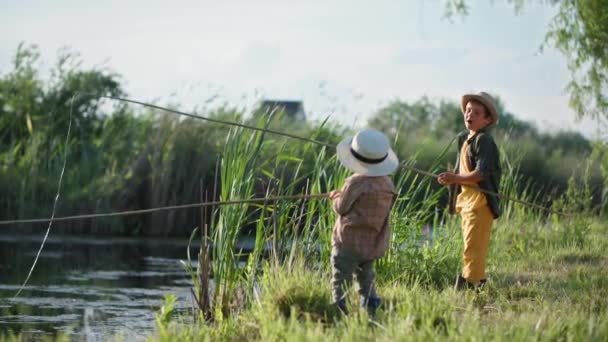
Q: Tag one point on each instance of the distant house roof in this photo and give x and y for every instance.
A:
(292, 109)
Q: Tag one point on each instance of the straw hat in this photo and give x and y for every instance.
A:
(368, 153)
(484, 98)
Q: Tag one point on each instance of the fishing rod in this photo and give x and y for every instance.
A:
(254, 200)
(293, 136)
(492, 193)
(168, 208)
(204, 118)
(234, 202)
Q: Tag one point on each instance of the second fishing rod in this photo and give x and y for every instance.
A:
(306, 139)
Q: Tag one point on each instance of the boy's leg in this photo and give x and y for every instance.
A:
(343, 265)
(365, 278)
(476, 227)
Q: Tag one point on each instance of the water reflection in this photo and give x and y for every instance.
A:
(88, 287)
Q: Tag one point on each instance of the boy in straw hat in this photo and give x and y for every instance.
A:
(361, 232)
(477, 166)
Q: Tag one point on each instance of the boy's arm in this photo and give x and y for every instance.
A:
(447, 178)
(487, 155)
(344, 201)
(472, 177)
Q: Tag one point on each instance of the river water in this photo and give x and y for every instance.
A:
(93, 289)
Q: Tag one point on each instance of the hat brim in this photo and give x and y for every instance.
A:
(384, 168)
(489, 104)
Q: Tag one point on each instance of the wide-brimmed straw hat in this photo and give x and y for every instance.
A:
(485, 99)
(368, 152)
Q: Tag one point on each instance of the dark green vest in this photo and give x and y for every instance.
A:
(483, 156)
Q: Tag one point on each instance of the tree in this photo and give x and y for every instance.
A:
(580, 31)
(411, 117)
(31, 105)
(20, 93)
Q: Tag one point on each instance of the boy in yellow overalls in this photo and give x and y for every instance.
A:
(478, 166)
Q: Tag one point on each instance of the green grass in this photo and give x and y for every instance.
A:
(543, 286)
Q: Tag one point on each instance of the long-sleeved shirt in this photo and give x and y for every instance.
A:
(468, 199)
(482, 155)
(363, 208)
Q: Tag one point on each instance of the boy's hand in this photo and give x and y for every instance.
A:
(334, 194)
(447, 178)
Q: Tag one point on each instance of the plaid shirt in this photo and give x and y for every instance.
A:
(364, 210)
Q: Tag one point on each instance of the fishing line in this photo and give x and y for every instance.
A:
(48, 230)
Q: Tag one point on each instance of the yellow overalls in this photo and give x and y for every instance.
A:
(477, 222)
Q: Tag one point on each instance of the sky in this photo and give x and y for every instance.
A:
(343, 59)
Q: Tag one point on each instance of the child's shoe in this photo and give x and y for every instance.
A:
(371, 304)
(462, 284)
(480, 286)
(341, 307)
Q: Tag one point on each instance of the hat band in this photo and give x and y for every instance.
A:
(367, 160)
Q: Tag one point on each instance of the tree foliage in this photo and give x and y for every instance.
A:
(580, 31)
